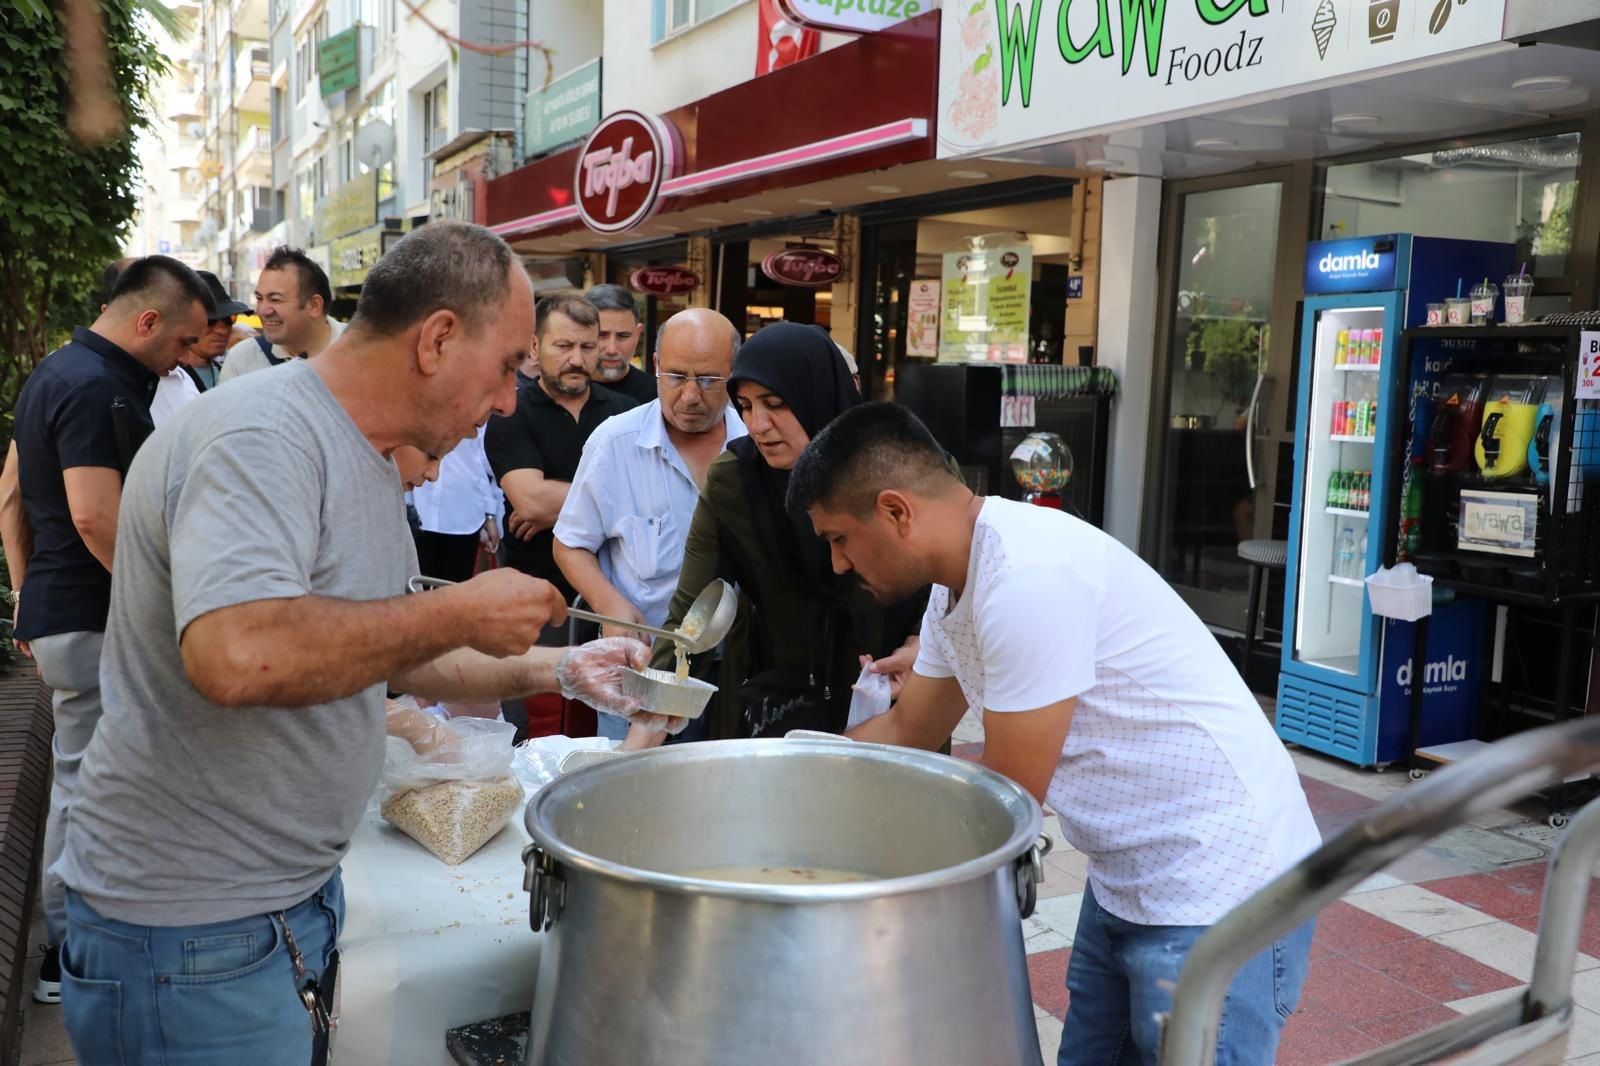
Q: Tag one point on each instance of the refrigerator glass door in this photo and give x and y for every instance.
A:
(1337, 543)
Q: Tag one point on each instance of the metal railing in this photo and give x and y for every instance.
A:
(1529, 1030)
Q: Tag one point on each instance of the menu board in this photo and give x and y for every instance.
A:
(985, 300)
(922, 320)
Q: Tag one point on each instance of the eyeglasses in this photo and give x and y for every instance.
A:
(229, 319)
(704, 382)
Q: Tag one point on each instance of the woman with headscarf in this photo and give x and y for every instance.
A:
(796, 647)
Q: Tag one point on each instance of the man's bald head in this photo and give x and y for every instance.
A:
(694, 356)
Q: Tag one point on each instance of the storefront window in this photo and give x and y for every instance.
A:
(1521, 192)
(985, 285)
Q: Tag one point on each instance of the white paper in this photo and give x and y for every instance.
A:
(869, 697)
(428, 947)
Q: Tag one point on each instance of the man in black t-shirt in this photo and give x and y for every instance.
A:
(534, 452)
(620, 331)
(79, 419)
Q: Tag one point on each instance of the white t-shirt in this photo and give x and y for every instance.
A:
(175, 391)
(1171, 781)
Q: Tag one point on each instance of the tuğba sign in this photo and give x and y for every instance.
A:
(621, 168)
(664, 281)
(807, 268)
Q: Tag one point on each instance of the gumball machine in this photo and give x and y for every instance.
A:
(1042, 465)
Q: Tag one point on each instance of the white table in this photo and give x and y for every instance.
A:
(427, 947)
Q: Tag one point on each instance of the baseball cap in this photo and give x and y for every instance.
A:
(227, 306)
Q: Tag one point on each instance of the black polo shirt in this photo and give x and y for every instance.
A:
(636, 385)
(87, 404)
(542, 436)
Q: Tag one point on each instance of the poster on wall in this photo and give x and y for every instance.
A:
(922, 320)
(1006, 65)
(985, 303)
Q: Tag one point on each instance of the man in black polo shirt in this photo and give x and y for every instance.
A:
(79, 419)
(620, 331)
(534, 452)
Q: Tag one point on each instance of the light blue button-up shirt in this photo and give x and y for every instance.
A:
(631, 502)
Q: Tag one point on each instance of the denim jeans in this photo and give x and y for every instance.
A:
(1121, 977)
(70, 664)
(193, 995)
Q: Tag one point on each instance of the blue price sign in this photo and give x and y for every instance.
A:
(1075, 287)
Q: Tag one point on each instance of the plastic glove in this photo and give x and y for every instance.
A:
(592, 673)
(426, 734)
(658, 723)
(869, 696)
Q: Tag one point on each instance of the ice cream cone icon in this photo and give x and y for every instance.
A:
(1322, 27)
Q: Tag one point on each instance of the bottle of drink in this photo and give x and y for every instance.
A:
(1372, 419)
(1411, 514)
(1333, 485)
(1349, 419)
(1344, 556)
(1341, 496)
(1377, 346)
(1363, 412)
(1366, 491)
(1361, 556)
(1341, 347)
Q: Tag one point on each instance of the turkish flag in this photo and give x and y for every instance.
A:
(782, 43)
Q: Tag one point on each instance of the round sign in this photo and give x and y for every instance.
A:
(621, 168)
(664, 281)
(810, 268)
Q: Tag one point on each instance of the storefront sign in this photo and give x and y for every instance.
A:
(806, 268)
(1007, 65)
(853, 16)
(1075, 287)
(452, 197)
(1504, 523)
(922, 320)
(565, 110)
(352, 206)
(986, 292)
(339, 61)
(664, 281)
(621, 168)
(354, 255)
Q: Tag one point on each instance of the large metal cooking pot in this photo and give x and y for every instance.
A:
(641, 964)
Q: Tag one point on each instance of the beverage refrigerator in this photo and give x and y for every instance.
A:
(1344, 684)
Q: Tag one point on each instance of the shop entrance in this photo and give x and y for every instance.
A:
(1225, 351)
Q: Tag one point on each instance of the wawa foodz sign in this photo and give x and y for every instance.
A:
(1024, 71)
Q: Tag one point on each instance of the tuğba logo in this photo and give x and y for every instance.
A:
(621, 168)
(1339, 264)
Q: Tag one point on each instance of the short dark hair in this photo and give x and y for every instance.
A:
(162, 283)
(613, 298)
(577, 308)
(443, 266)
(867, 449)
(313, 280)
(108, 278)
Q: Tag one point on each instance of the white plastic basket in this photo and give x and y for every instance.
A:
(1400, 593)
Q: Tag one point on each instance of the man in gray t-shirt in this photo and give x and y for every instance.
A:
(257, 614)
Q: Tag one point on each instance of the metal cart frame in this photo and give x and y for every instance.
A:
(1530, 1030)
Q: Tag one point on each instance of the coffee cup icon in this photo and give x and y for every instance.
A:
(1382, 18)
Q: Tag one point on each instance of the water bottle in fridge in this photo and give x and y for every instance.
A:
(1344, 556)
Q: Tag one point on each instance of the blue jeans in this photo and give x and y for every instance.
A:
(194, 995)
(1121, 977)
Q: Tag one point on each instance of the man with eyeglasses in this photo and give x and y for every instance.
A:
(620, 537)
(534, 451)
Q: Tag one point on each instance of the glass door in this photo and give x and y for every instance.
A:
(1216, 471)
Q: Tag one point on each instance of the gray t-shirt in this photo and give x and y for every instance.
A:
(188, 812)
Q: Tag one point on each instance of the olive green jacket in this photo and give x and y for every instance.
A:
(773, 629)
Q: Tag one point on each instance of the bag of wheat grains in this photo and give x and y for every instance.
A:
(455, 796)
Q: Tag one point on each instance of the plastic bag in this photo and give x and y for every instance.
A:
(870, 696)
(454, 791)
(540, 760)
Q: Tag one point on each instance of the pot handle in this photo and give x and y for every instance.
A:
(547, 892)
(1030, 874)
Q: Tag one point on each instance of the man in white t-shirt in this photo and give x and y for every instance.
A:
(1101, 693)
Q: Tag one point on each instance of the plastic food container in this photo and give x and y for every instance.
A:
(1400, 593)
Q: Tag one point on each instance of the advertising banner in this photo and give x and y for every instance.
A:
(1018, 72)
(985, 298)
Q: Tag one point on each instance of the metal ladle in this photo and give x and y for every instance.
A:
(704, 625)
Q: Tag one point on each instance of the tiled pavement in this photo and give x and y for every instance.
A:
(1443, 931)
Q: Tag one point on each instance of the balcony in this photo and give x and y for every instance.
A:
(251, 72)
(252, 156)
(182, 107)
(249, 17)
